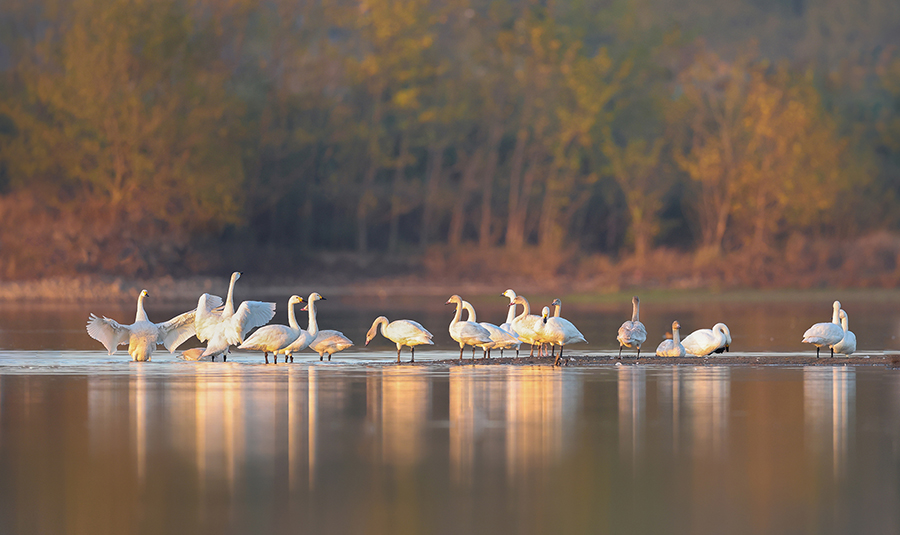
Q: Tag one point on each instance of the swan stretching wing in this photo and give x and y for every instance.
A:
(222, 328)
(108, 332)
(275, 338)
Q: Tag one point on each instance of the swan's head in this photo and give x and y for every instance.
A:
(556, 302)
(726, 331)
(635, 300)
(518, 300)
(545, 313)
(675, 326)
(235, 276)
(373, 330)
(836, 305)
(843, 314)
(510, 294)
(315, 297)
(145, 293)
(295, 299)
(454, 299)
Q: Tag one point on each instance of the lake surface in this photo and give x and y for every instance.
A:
(91, 443)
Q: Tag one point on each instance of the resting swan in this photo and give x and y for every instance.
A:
(632, 333)
(826, 334)
(466, 333)
(847, 345)
(407, 333)
(227, 327)
(558, 331)
(327, 341)
(671, 347)
(142, 336)
(526, 325)
(510, 316)
(312, 328)
(703, 342)
(499, 337)
(275, 338)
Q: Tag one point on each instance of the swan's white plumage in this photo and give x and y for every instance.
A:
(671, 347)
(330, 341)
(312, 328)
(847, 345)
(703, 342)
(632, 333)
(143, 335)
(466, 332)
(500, 338)
(221, 328)
(826, 334)
(558, 331)
(407, 333)
(275, 338)
(526, 325)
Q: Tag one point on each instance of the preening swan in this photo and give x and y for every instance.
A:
(407, 333)
(143, 335)
(327, 341)
(703, 342)
(466, 332)
(227, 327)
(275, 338)
(499, 338)
(559, 331)
(847, 345)
(632, 333)
(672, 347)
(527, 325)
(826, 334)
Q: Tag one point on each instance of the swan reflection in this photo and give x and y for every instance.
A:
(829, 408)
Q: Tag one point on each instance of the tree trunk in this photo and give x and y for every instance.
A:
(397, 197)
(454, 236)
(432, 185)
(366, 195)
(514, 232)
(487, 185)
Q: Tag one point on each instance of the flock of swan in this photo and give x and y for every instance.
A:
(221, 326)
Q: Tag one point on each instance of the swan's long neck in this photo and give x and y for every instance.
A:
(292, 317)
(313, 327)
(229, 301)
(526, 308)
(836, 314)
(458, 313)
(381, 322)
(511, 314)
(471, 310)
(556, 312)
(676, 336)
(845, 323)
(141, 314)
(635, 312)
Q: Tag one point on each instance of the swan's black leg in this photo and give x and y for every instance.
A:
(398, 355)
(460, 353)
(412, 350)
(266, 356)
(620, 350)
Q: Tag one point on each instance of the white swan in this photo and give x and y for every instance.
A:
(275, 338)
(227, 327)
(847, 345)
(526, 325)
(559, 331)
(499, 337)
(632, 333)
(671, 347)
(826, 334)
(312, 329)
(510, 315)
(703, 342)
(466, 332)
(407, 333)
(327, 341)
(143, 335)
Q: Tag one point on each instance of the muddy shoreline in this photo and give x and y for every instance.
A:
(890, 360)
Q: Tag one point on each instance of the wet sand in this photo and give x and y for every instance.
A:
(763, 359)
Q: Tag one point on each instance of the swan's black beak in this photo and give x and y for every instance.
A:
(545, 321)
(322, 299)
(727, 348)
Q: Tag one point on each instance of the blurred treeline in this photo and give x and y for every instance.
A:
(144, 137)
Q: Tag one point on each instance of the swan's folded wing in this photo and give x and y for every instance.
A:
(207, 316)
(108, 332)
(252, 314)
(174, 332)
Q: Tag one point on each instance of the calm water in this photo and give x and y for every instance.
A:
(91, 443)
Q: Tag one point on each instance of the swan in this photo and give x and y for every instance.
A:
(826, 334)
(407, 333)
(275, 338)
(327, 341)
(632, 333)
(499, 337)
(558, 331)
(510, 315)
(671, 347)
(526, 325)
(227, 327)
(143, 335)
(466, 332)
(312, 329)
(703, 342)
(847, 345)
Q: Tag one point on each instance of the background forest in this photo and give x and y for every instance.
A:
(747, 142)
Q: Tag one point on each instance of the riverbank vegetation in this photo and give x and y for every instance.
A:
(618, 143)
